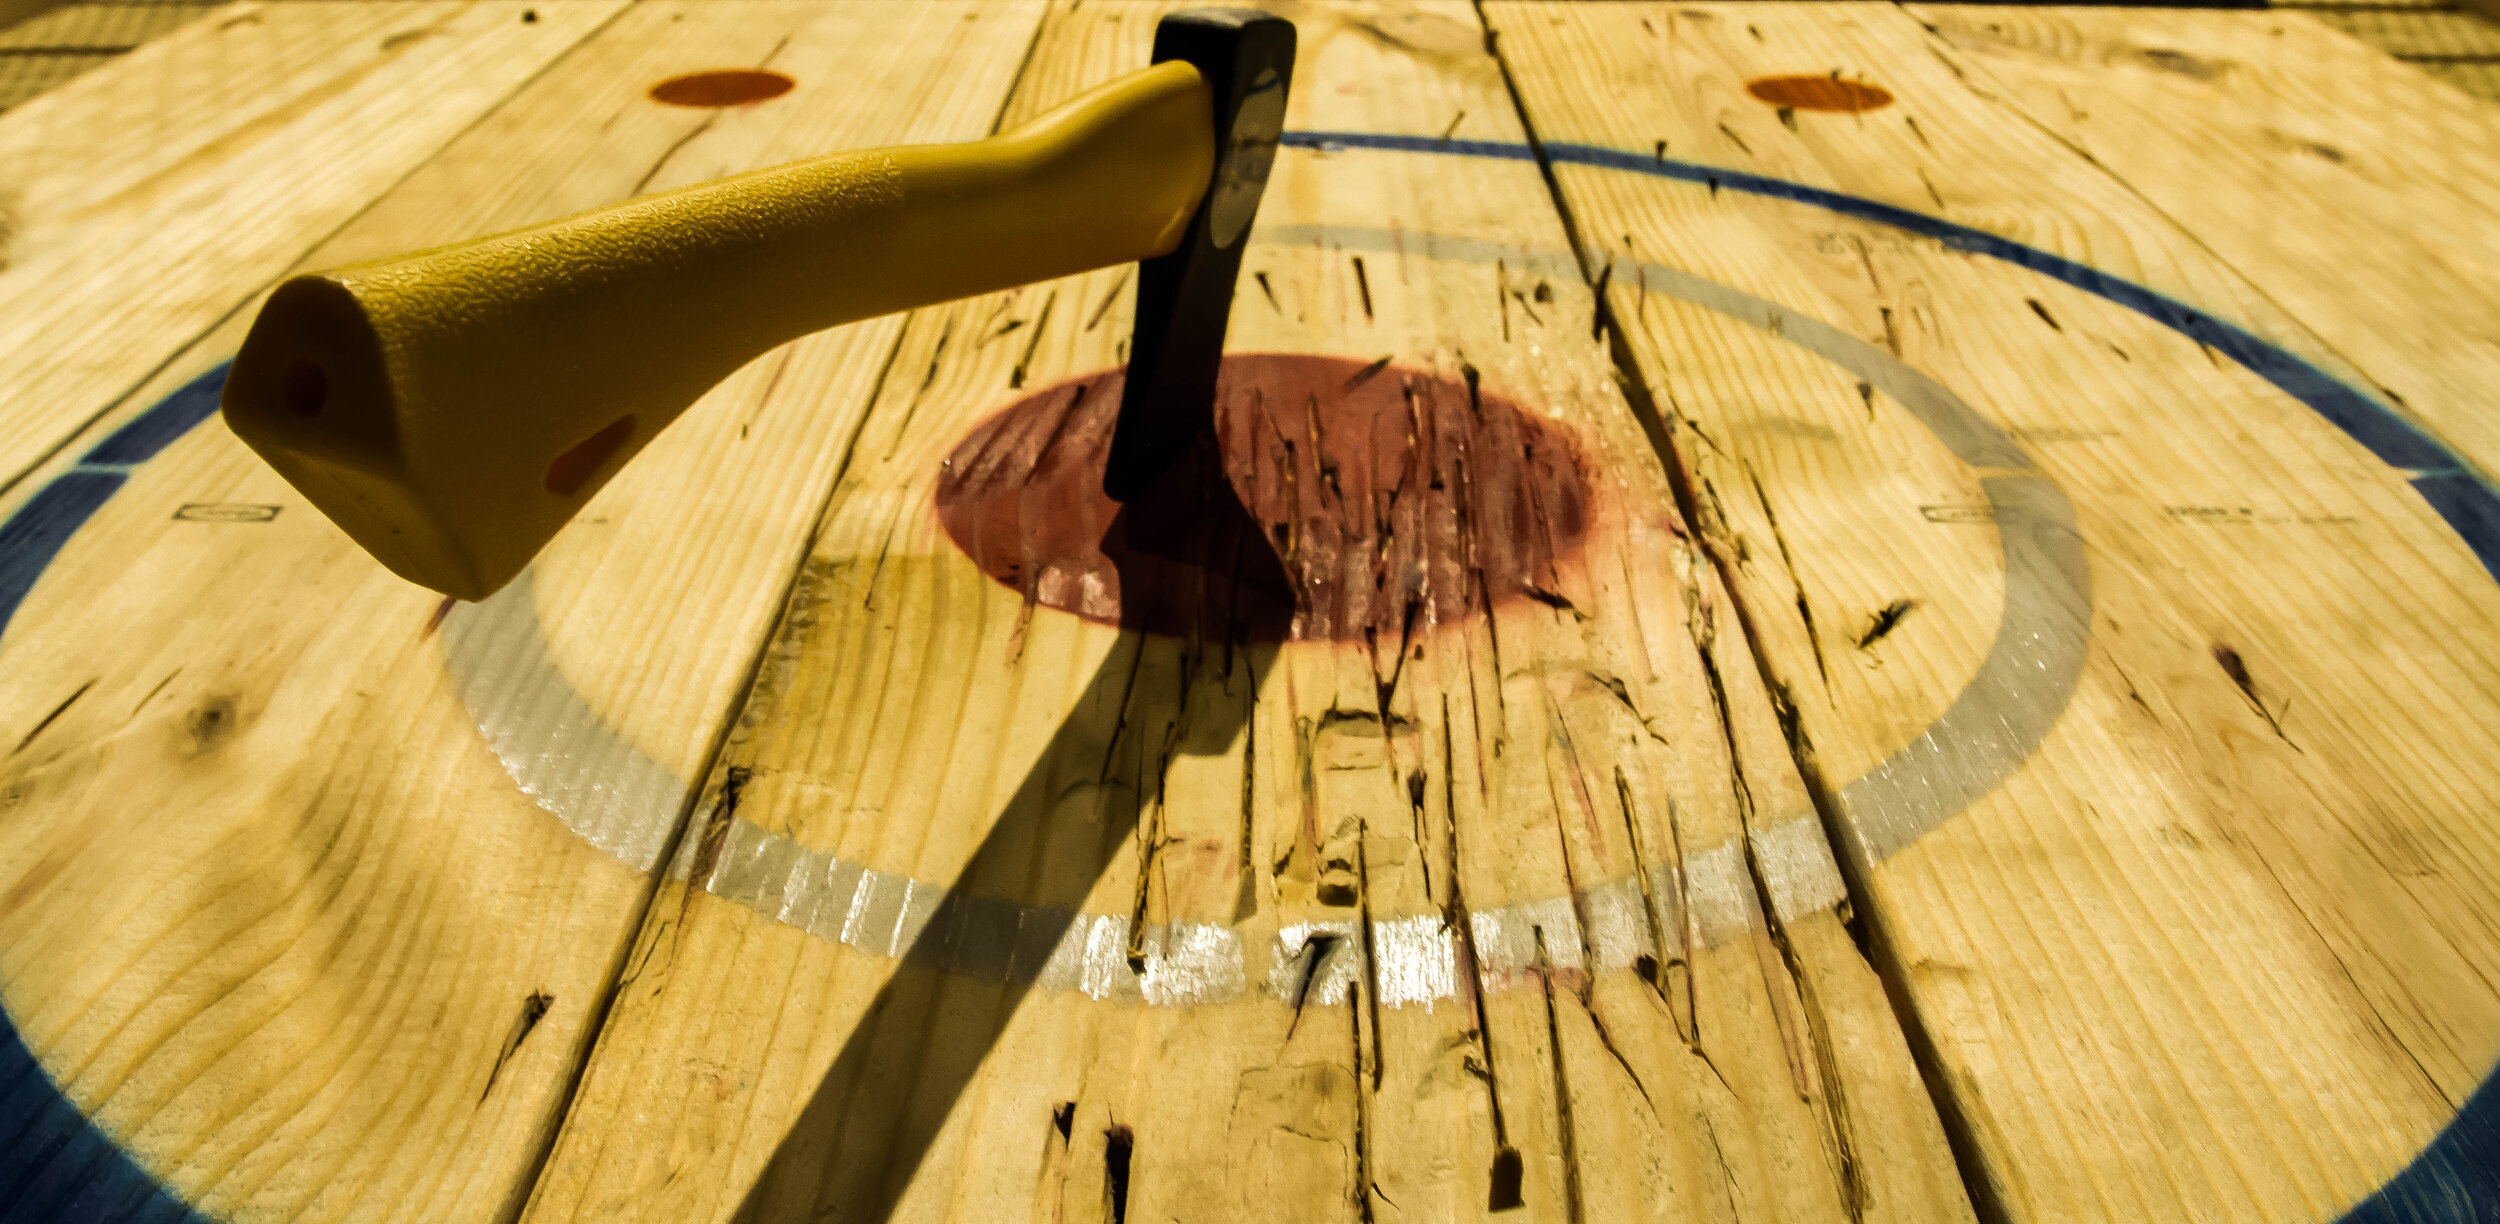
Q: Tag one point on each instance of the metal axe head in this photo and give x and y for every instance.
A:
(1184, 299)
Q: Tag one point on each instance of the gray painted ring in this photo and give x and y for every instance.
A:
(560, 752)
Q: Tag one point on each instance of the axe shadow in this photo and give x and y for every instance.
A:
(1181, 682)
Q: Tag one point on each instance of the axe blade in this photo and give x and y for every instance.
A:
(1185, 299)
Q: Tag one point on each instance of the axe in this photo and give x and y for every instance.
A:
(452, 409)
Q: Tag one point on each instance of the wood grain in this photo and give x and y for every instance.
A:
(355, 969)
(315, 893)
(25, 76)
(2409, 35)
(141, 227)
(2479, 78)
(2345, 216)
(1421, 853)
(2214, 949)
(101, 27)
(84, 149)
(2349, 4)
(16, 11)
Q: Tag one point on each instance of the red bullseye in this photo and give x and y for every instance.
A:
(1356, 501)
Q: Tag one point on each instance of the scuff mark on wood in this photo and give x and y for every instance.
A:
(1887, 619)
(1040, 320)
(715, 835)
(1119, 1144)
(1367, 373)
(56, 713)
(2237, 669)
(435, 621)
(533, 1009)
(1563, 1127)
(160, 687)
(1095, 319)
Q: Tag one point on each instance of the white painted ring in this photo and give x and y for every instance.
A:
(560, 752)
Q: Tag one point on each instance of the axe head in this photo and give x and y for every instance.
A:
(1185, 298)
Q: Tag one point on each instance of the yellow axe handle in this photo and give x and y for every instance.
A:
(452, 409)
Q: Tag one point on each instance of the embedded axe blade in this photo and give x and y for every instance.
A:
(1185, 298)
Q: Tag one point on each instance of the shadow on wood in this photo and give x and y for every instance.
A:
(1186, 546)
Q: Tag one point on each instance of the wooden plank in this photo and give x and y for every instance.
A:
(14, 11)
(355, 969)
(2363, 4)
(2406, 183)
(124, 257)
(2481, 78)
(101, 27)
(2172, 838)
(1361, 923)
(85, 148)
(24, 76)
(2417, 35)
(2488, 10)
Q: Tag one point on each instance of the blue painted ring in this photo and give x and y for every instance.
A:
(55, 1165)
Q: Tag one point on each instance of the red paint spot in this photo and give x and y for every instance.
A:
(1395, 499)
(1819, 93)
(725, 87)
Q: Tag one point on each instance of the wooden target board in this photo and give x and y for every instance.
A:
(1818, 629)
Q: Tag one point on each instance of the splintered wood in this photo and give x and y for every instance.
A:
(277, 916)
(1799, 612)
(1423, 891)
(2225, 681)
